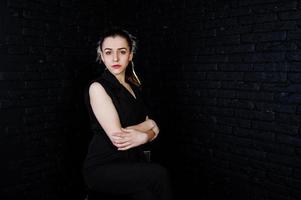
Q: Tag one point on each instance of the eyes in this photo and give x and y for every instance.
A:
(110, 52)
(123, 52)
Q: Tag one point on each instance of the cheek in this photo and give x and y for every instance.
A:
(128, 58)
(105, 59)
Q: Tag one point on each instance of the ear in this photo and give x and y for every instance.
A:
(131, 56)
(101, 56)
(99, 53)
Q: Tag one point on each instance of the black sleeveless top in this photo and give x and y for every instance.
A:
(131, 111)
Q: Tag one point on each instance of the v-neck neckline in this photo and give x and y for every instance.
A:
(116, 82)
(129, 92)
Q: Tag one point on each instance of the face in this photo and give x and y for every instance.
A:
(116, 54)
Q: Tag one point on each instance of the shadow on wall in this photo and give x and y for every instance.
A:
(76, 144)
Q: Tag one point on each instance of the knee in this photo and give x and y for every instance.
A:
(162, 184)
(160, 172)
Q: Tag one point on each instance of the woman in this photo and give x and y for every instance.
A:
(115, 163)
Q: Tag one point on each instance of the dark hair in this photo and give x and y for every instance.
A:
(130, 74)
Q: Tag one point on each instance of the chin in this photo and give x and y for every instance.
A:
(117, 71)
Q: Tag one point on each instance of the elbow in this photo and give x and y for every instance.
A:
(155, 127)
(152, 123)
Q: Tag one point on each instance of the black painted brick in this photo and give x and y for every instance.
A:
(230, 66)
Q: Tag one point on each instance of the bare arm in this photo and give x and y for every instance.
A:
(149, 126)
(106, 114)
(155, 129)
(104, 110)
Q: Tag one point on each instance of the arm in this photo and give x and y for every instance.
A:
(106, 114)
(149, 126)
(155, 129)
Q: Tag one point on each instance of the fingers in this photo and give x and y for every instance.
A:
(121, 140)
(127, 130)
(123, 144)
(125, 148)
(125, 140)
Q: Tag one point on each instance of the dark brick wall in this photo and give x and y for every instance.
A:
(222, 79)
(240, 97)
(47, 55)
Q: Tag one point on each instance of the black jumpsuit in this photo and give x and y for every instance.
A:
(109, 171)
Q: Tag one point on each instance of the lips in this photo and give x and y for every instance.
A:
(116, 66)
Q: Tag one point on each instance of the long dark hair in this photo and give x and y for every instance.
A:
(130, 74)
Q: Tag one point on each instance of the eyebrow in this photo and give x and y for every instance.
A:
(122, 48)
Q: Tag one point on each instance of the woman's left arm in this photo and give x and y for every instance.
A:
(149, 126)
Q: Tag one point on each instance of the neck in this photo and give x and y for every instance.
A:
(121, 78)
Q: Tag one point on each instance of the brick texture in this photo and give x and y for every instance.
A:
(47, 56)
(246, 139)
(222, 79)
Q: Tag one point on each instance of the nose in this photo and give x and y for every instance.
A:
(115, 57)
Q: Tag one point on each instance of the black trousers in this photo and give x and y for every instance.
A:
(135, 181)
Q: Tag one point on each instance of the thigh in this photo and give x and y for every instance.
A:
(125, 178)
(143, 195)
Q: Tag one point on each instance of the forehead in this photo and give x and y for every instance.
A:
(115, 42)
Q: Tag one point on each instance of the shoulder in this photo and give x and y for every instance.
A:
(103, 86)
(98, 94)
(96, 88)
(99, 84)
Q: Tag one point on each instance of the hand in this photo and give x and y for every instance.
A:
(129, 138)
(155, 127)
(144, 126)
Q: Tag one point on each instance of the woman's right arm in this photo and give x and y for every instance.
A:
(106, 114)
(104, 110)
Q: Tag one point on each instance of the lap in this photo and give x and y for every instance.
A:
(124, 178)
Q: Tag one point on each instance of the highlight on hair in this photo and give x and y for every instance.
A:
(130, 74)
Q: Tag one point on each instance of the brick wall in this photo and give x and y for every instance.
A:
(222, 79)
(240, 101)
(47, 55)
